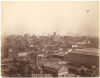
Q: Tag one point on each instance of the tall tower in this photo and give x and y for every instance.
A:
(77, 38)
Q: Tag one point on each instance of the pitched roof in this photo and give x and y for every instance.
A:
(92, 52)
(53, 65)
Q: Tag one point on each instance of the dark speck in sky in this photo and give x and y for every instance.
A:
(87, 10)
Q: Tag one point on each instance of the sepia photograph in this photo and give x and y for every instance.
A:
(50, 39)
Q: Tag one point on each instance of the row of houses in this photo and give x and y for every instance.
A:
(75, 58)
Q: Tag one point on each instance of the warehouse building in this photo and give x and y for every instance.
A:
(83, 59)
(55, 69)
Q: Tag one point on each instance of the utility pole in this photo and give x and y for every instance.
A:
(44, 51)
(36, 57)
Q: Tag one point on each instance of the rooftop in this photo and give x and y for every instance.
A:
(59, 54)
(93, 52)
(53, 65)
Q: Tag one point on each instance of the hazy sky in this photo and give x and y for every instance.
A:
(43, 18)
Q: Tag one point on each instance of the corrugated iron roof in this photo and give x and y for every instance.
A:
(93, 52)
